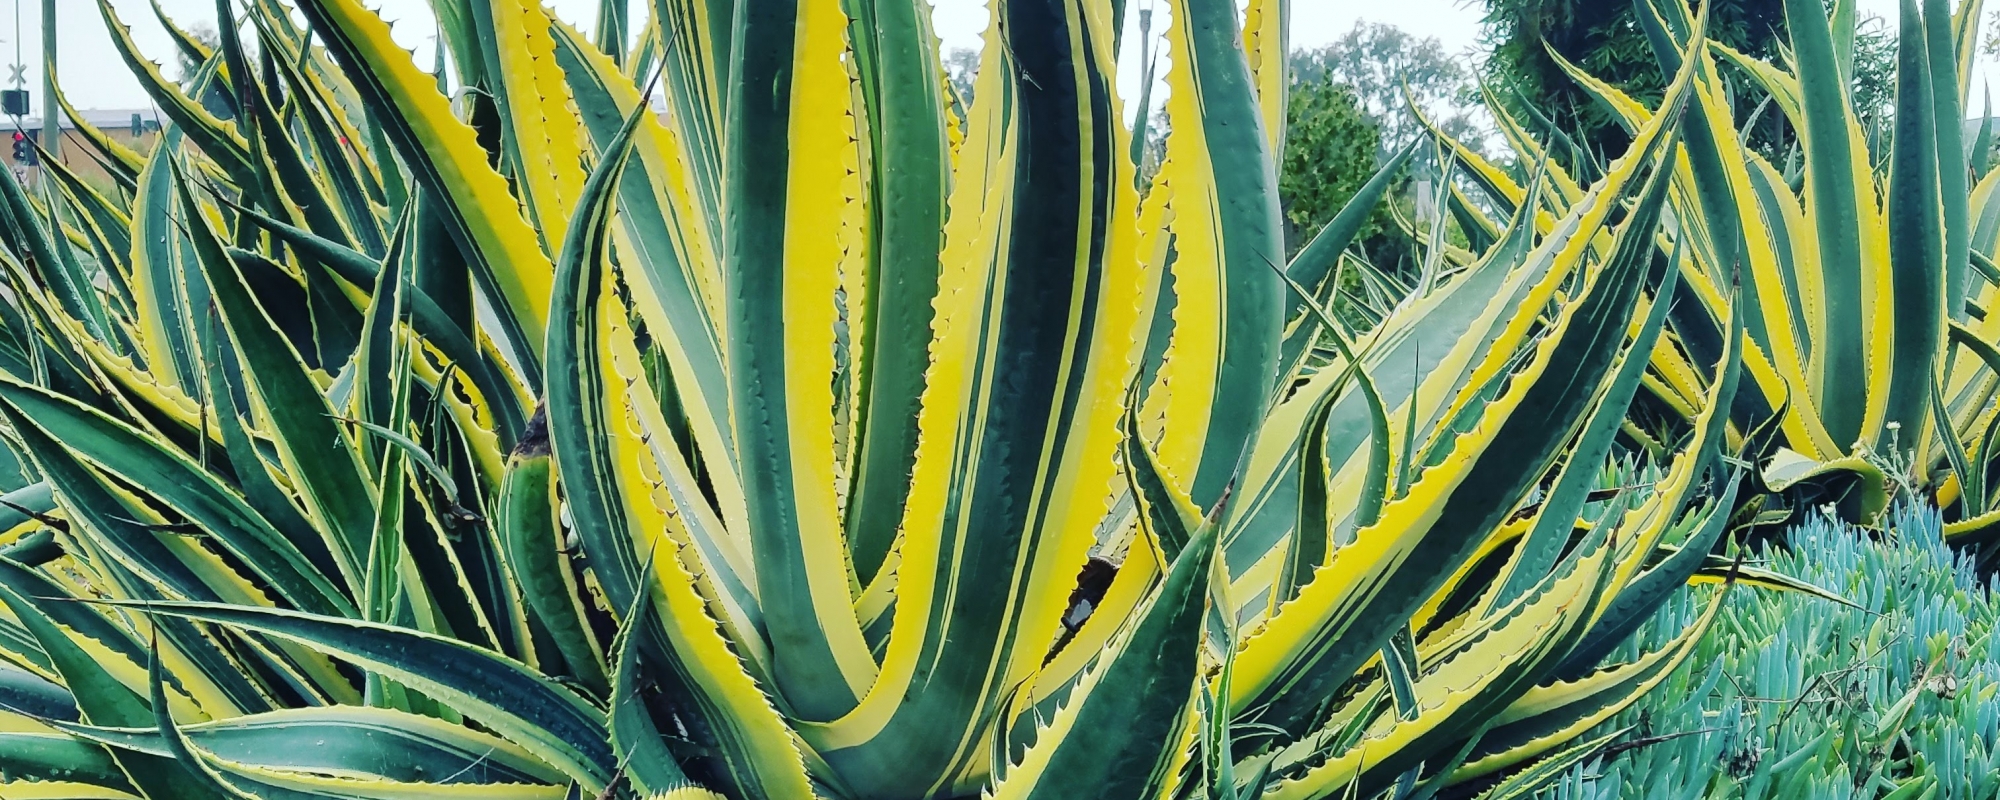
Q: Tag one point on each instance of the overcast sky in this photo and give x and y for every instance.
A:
(1455, 24)
(94, 77)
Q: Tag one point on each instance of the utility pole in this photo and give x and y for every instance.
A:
(51, 126)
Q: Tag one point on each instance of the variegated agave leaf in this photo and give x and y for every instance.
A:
(508, 437)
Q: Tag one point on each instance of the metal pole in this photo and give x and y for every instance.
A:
(51, 127)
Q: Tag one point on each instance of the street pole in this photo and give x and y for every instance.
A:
(51, 127)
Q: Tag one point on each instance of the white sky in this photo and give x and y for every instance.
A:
(94, 76)
(1455, 24)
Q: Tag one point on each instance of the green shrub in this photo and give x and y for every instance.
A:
(1329, 153)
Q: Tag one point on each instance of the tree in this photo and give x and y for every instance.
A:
(961, 65)
(1330, 151)
(1874, 83)
(201, 32)
(1348, 111)
(1375, 62)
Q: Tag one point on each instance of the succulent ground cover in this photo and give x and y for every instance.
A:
(1792, 696)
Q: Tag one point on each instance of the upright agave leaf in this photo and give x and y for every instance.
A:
(1859, 282)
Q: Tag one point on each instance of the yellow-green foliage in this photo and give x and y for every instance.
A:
(521, 441)
(1862, 263)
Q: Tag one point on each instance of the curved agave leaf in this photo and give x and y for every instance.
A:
(349, 741)
(907, 171)
(634, 735)
(1818, 259)
(781, 230)
(674, 283)
(1267, 47)
(179, 484)
(1322, 638)
(217, 138)
(42, 757)
(317, 453)
(1530, 782)
(1138, 703)
(1867, 499)
(120, 161)
(162, 292)
(539, 137)
(1949, 70)
(547, 720)
(1222, 199)
(201, 779)
(1716, 569)
(443, 153)
(1163, 509)
(1921, 274)
(101, 696)
(1015, 461)
(187, 44)
(602, 459)
(1491, 670)
(530, 537)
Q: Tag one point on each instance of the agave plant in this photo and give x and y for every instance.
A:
(387, 442)
(1863, 258)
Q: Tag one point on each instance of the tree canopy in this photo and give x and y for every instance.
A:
(1376, 62)
(1330, 147)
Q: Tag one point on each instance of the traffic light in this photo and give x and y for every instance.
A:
(24, 149)
(14, 102)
